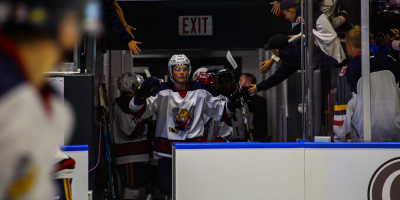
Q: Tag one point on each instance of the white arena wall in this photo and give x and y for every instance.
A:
(306, 171)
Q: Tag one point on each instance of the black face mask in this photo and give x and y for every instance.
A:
(225, 93)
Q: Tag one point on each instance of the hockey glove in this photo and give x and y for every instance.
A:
(234, 99)
(147, 87)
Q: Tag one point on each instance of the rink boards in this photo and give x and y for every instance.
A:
(312, 171)
(80, 182)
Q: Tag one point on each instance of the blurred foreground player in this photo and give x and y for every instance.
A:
(180, 107)
(385, 95)
(131, 146)
(35, 36)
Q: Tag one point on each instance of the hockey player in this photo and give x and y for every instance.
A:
(215, 131)
(131, 146)
(226, 83)
(180, 108)
(385, 95)
(325, 36)
(35, 36)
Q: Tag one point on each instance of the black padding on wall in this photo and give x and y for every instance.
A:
(78, 91)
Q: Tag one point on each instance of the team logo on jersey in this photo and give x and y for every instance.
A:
(385, 181)
(183, 119)
(343, 71)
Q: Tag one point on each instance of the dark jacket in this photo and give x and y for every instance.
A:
(258, 107)
(291, 62)
(110, 17)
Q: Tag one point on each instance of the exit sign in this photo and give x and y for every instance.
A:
(195, 25)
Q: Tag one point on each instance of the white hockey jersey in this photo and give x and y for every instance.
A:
(130, 134)
(31, 122)
(181, 119)
(29, 134)
(218, 131)
(385, 109)
(385, 100)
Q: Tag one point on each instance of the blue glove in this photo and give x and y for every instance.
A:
(147, 87)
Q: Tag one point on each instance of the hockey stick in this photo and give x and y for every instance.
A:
(114, 189)
(234, 65)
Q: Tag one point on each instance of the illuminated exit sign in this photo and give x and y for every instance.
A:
(195, 25)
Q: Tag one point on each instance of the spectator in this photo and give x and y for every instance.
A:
(326, 6)
(395, 44)
(114, 17)
(256, 109)
(385, 95)
(325, 36)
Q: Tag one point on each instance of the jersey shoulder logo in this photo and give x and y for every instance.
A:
(183, 119)
(297, 20)
(343, 71)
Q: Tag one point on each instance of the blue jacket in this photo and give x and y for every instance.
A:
(111, 19)
(291, 62)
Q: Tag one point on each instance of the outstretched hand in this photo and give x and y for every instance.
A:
(253, 89)
(266, 66)
(129, 29)
(133, 46)
(276, 8)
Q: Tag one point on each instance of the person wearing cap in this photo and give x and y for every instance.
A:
(325, 36)
(326, 6)
(34, 38)
(290, 54)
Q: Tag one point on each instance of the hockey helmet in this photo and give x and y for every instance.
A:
(226, 73)
(207, 79)
(198, 72)
(128, 80)
(176, 60)
(44, 16)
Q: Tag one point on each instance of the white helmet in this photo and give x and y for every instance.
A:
(127, 80)
(178, 59)
(198, 71)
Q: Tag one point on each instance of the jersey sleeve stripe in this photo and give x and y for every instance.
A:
(338, 123)
(340, 107)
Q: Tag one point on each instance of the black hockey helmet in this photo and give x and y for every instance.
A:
(226, 81)
(43, 17)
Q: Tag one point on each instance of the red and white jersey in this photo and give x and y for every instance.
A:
(181, 119)
(130, 134)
